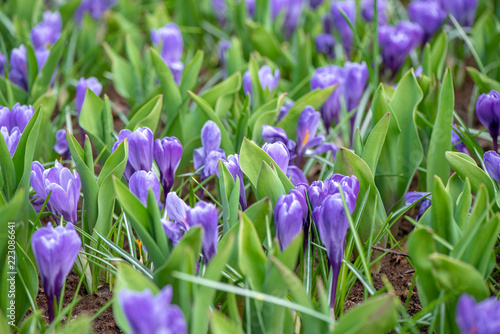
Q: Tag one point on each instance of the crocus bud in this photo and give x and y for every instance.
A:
(173, 230)
(324, 77)
(18, 116)
(210, 136)
(140, 182)
(81, 89)
(267, 79)
(167, 153)
(94, 8)
(205, 214)
(317, 192)
(288, 220)
(428, 15)
(355, 80)
(292, 10)
(209, 154)
(279, 153)
(61, 145)
(488, 112)
(296, 175)
(424, 198)
(341, 24)
(63, 186)
(233, 165)
(492, 164)
(146, 313)
(482, 317)
(307, 126)
(333, 224)
(177, 210)
(368, 14)
(464, 11)
(12, 138)
(349, 186)
(397, 42)
(48, 31)
(18, 68)
(140, 150)
(284, 110)
(170, 39)
(325, 44)
(212, 162)
(55, 251)
(3, 63)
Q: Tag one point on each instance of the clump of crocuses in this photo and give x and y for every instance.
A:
(209, 154)
(147, 313)
(488, 112)
(55, 251)
(169, 38)
(13, 122)
(62, 185)
(474, 317)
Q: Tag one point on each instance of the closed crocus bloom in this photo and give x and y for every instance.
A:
(317, 192)
(11, 138)
(18, 69)
(424, 198)
(48, 31)
(19, 116)
(279, 153)
(210, 136)
(324, 77)
(488, 112)
(140, 182)
(482, 317)
(205, 214)
(177, 210)
(349, 186)
(268, 80)
(272, 134)
(288, 220)
(492, 164)
(3, 63)
(333, 224)
(140, 150)
(61, 145)
(170, 39)
(212, 162)
(94, 8)
(284, 110)
(55, 251)
(81, 89)
(325, 43)
(464, 11)
(355, 80)
(367, 10)
(233, 166)
(148, 314)
(173, 230)
(209, 154)
(341, 24)
(397, 42)
(167, 153)
(307, 126)
(296, 175)
(427, 14)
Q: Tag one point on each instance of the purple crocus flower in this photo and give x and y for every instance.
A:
(268, 80)
(482, 317)
(219, 8)
(94, 8)
(61, 145)
(341, 24)
(12, 138)
(209, 154)
(427, 14)
(81, 89)
(279, 153)
(414, 196)
(355, 80)
(464, 11)
(48, 31)
(292, 10)
(55, 251)
(307, 126)
(271, 134)
(140, 182)
(18, 67)
(63, 186)
(315, 3)
(284, 110)
(368, 14)
(233, 165)
(324, 77)
(173, 230)
(167, 153)
(296, 175)
(146, 313)
(327, 22)
(177, 210)
(325, 43)
(288, 218)
(140, 150)
(250, 4)
(488, 112)
(170, 39)
(333, 224)
(456, 141)
(3, 63)
(205, 214)
(492, 164)
(397, 42)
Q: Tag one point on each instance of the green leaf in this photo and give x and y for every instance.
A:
(263, 42)
(190, 75)
(220, 324)
(483, 82)
(375, 143)
(230, 86)
(124, 77)
(443, 221)
(269, 184)
(148, 115)
(439, 53)
(441, 133)
(251, 258)
(376, 315)
(95, 119)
